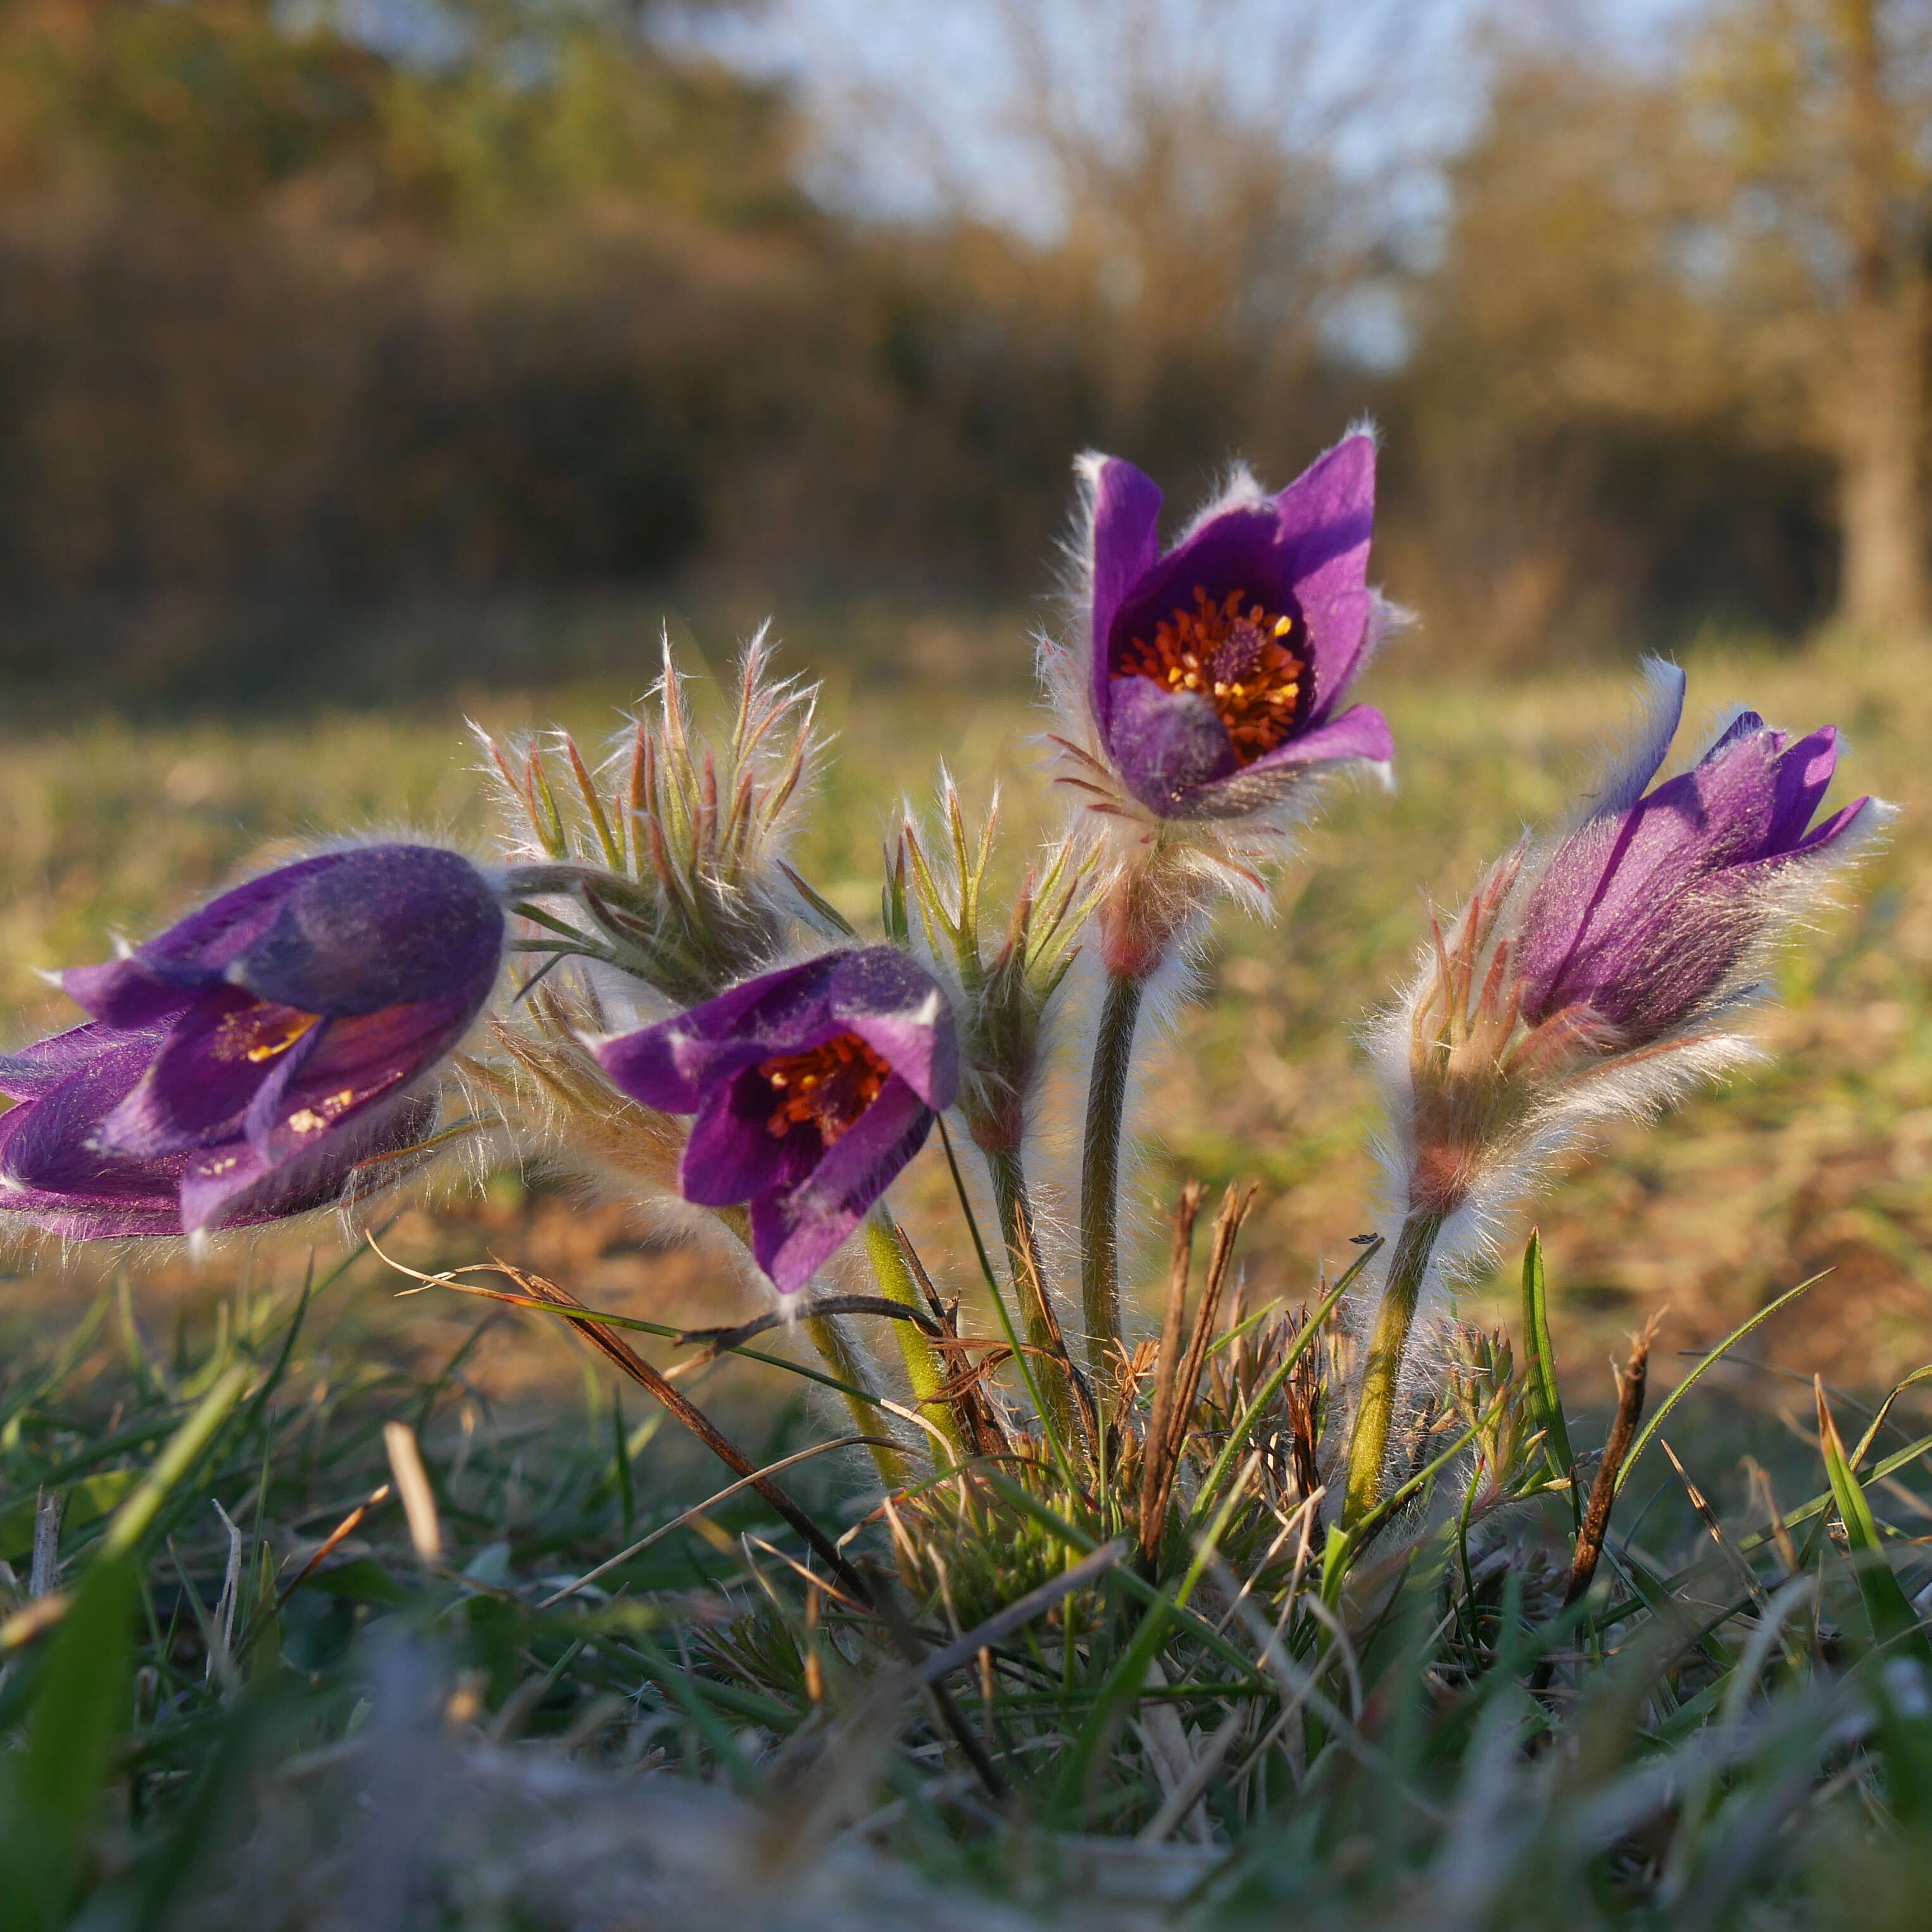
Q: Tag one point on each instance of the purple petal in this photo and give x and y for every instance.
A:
(667, 1067)
(212, 1061)
(35, 1071)
(1821, 837)
(237, 1187)
(1642, 913)
(1624, 786)
(386, 926)
(670, 1066)
(1166, 744)
(1804, 774)
(795, 1231)
(162, 977)
(875, 991)
(355, 1062)
(1337, 641)
(1126, 547)
(1360, 732)
(897, 1008)
(201, 947)
(125, 993)
(733, 1154)
(1328, 518)
(51, 1160)
(71, 1221)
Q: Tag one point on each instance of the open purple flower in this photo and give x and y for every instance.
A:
(1657, 902)
(813, 1086)
(249, 1061)
(1216, 670)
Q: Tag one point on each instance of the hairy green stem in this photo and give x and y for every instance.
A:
(1388, 1346)
(924, 1368)
(838, 1352)
(1100, 1169)
(1043, 1325)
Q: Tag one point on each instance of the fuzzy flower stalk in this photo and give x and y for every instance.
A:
(1201, 698)
(1598, 975)
(1008, 985)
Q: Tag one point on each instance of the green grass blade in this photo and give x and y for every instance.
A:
(1123, 1681)
(83, 1697)
(1129, 1579)
(1343, 1544)
(1546, 1396)
(135, 1517)
(1894, 1623)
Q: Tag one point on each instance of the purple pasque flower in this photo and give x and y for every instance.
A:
(813, 1086)
(55, 1174)
(249, 1059)
(1216, 670)
(1659, 901)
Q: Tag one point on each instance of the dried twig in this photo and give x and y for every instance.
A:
(716, 1342)
(979, 1418)
(1630, 1383)
(49, 1506)
(1235, 1208)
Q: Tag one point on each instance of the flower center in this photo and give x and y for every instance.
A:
(828, 1086)
(263, 1031)
(1235, 655)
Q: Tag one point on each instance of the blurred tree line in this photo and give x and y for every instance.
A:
(519, 297)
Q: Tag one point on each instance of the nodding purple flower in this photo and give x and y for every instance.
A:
(813, 1086)
(249, 1062)
(1217, 669)
(1658, 901)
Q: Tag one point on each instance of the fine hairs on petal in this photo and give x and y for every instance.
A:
(1627, 760)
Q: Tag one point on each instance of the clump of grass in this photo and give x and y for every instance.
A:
(283, 1570)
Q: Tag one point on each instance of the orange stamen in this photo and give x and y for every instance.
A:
(827, 1087)
(1238, 659)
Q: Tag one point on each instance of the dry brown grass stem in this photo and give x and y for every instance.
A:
(978, 1420)
(330, 1544)
(1630, 1384)
(1050, 1340)
(1178, 1378)
(1153, 1496)
(1235, 1205)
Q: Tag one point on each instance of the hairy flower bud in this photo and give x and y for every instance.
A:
(1601, 972)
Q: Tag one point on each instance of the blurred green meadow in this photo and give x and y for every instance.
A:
(1817, 1161)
